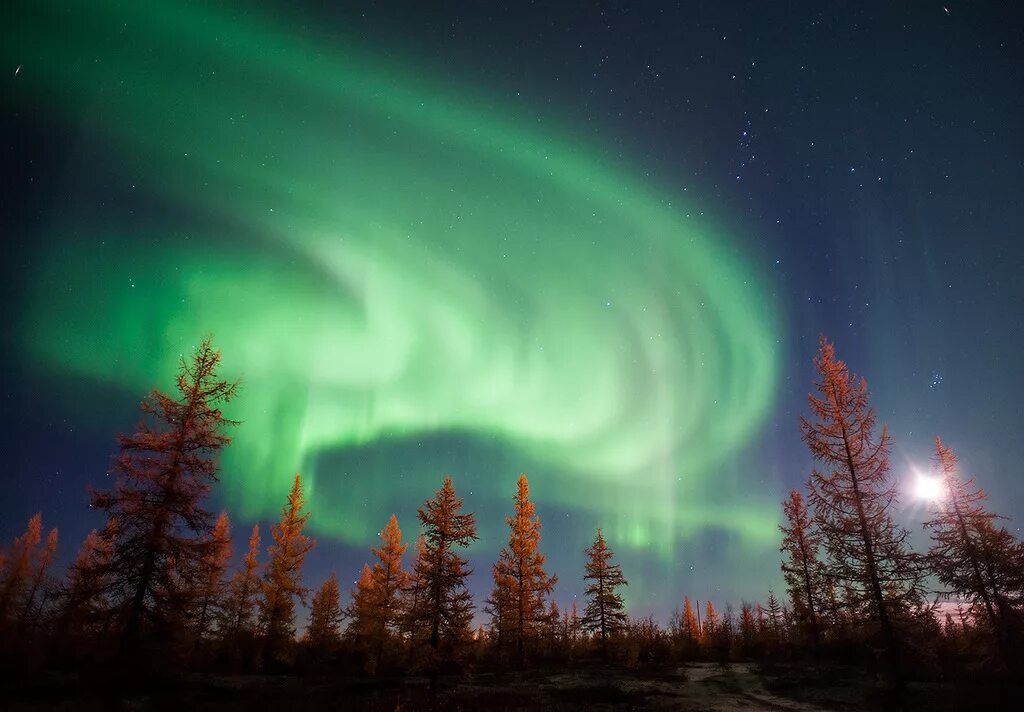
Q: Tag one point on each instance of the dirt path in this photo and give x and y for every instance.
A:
(735, 686)
(703, 687)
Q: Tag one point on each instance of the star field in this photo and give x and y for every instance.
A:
(594, 243)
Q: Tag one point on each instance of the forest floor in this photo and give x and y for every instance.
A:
(707, 687)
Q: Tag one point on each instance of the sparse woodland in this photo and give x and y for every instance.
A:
(154, 590)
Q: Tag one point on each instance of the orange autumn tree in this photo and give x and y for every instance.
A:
(388, 578)
(239, 609)
(689, 630)
(325, 614)
(521, 584)
(972, 557)
(854, 497)
(83, 610)
(166, 470)
(213, 564)
(282, 577)
(363, 614)
(16, 571)
(23, 583)
(40, 590)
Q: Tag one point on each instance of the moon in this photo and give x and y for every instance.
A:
(928, 488)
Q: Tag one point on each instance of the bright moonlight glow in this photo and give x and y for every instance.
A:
(928, 488)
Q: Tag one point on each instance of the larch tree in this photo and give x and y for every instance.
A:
(853, 498)
(40, 589)
(748, 628)
(239, 610)
(83, 605)
(210, 589)
(442, 605)
(519, 571)
(774, 610)
(363, 614)
(16, 573)
(411, 626)
(282, 577)
(572, 627)
(166, 470)
(605, 613)
(498, 605)
(972, 557)
(832, 608)
(800, 567)
(709, 630)
(389, 579)
(765, 632)
(551, 626)
(325, 615)
(689, 629)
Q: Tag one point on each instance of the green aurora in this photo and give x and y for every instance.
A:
(386, 260)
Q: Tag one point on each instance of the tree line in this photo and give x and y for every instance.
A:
(154, 587)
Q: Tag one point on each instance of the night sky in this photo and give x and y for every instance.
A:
(593, 243)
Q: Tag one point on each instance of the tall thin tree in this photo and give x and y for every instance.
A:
(282, 578)
(800, 567)
(605, 613)
(970, 556)
(325, 615)
(499, 606)
(84, 610)
(362, 614)
(389, 578)
(689, 629)
(211, 589)
(520, 572)
(239, 610)
(40, 589)
(16, 572)
(710, 629)
(853, 498)
(166, 470)
(442, 604)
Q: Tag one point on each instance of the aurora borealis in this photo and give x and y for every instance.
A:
(414, 276)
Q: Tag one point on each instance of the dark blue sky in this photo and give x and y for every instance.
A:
(868, 156)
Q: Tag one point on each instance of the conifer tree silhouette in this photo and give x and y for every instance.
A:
(211, 589)
(801, 568)
(166, 470)
(239, 610)
(853, 498)
(605, 613)
(975, 559)
(442, 607)
(325, 614)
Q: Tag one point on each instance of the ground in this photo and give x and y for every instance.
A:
(705, 687)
